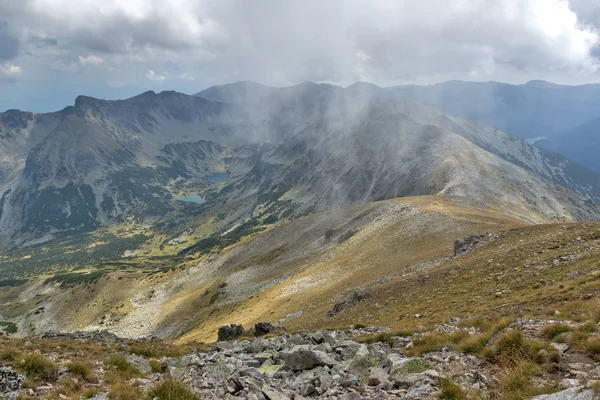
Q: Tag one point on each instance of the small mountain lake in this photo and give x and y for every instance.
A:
(213, 179)
(8, 327)
(194, 198)
(217, 177)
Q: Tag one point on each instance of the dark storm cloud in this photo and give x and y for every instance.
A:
(9, 45)
(172, 43)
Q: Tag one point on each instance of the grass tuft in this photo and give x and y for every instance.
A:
(171, 389)
(155, 365)
(593, 346)
(124, 391)
(120, 369)
(37, 367)
(553, 330)
(83, 370)
(435, 341)
(451, 391)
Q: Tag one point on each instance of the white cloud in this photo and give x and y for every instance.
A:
(10, 72)
(152, 76)
(286, 42)
(90, 59)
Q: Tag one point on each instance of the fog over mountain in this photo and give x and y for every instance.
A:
(287, 151)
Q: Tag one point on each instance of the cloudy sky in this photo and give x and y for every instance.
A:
(53, 50)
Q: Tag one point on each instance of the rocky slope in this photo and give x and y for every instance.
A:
(348, 364)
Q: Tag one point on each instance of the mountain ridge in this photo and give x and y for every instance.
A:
(531, 109)
(292, 151)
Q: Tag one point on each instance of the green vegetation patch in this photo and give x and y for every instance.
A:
(64, 254)
(414, 366)
(13, 282)
(218, 242)
(75, 278)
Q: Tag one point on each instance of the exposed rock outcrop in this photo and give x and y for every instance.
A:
(463, 246)
(230, 332)
(354, 297)
(264, 328)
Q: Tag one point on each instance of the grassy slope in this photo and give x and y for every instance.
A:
(389, 250)
(400, 253)
(541, 271)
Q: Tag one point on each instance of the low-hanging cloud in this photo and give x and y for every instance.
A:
(284, 42)
(9, 72)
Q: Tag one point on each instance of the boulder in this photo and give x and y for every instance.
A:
(301, 358)
(274, 395)
(263, 328)
(317, 337)
(379, 376)
(230, 332)
(10, 383)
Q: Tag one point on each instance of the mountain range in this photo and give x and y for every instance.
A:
(246, 209)
(531, 110)
(283, 153)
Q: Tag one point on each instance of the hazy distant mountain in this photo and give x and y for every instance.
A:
(581, 144)
(534, 109)
(363, 150)
(287, 151)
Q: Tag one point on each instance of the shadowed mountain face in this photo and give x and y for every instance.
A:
(581, 144)
(286, 152)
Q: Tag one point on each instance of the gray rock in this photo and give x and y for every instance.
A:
(351, 396)
(262, 357)
(576, 393)
(351, 349)
(253, 363)
(301, 358)
(10, 383)
(568, 383)
(379, 376)
(317, 337)
(420, 392)
(139, 362)
(307, 390)
(271, 394)
(561, 347)
(409, 380)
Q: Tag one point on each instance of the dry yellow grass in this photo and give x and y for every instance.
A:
(514, 277)
(402, 259)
